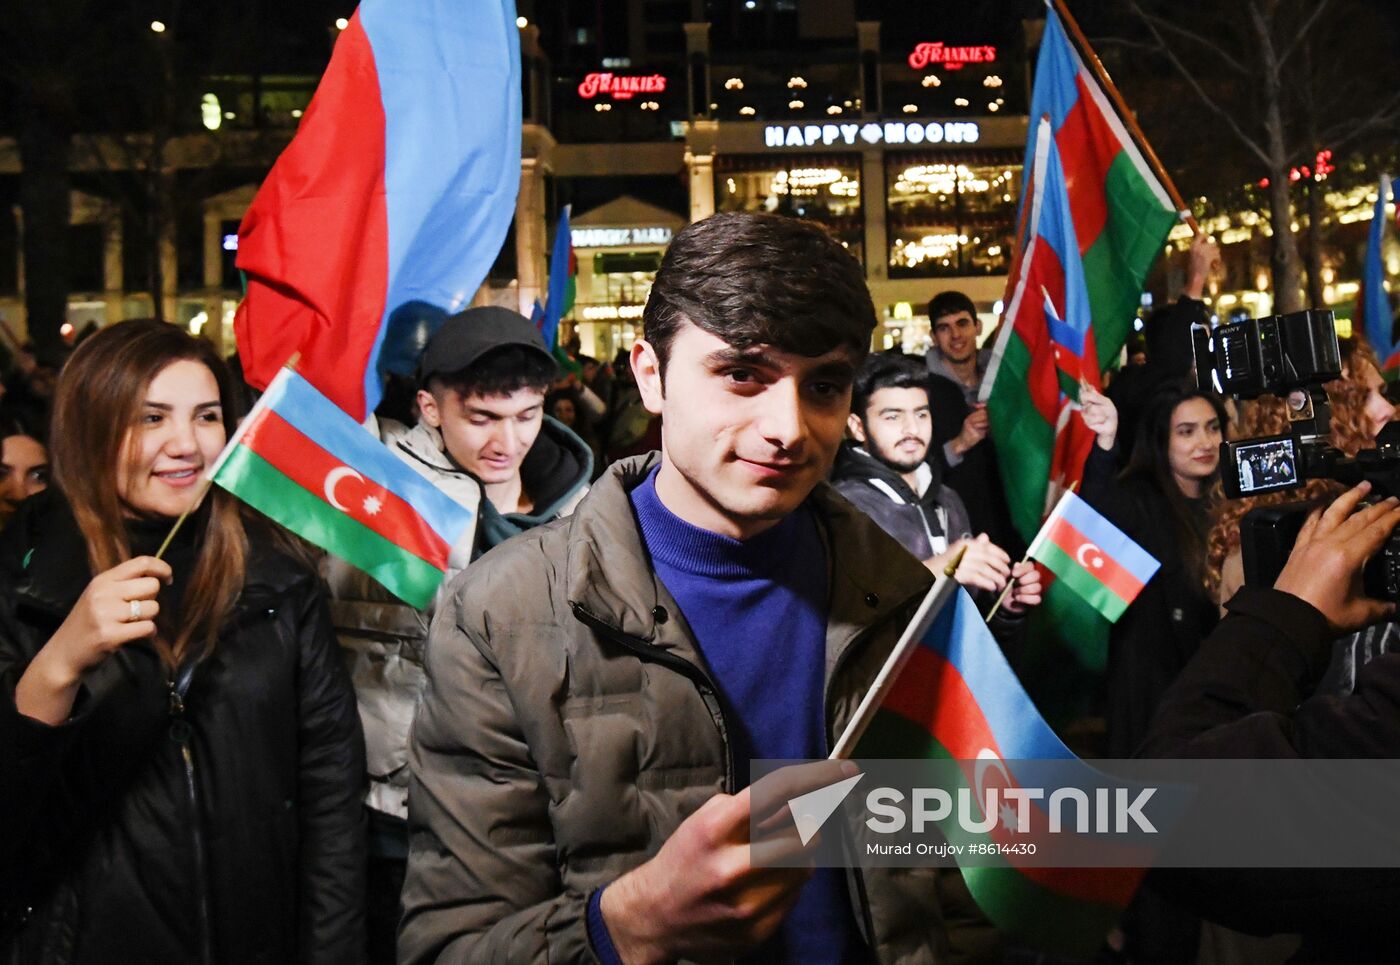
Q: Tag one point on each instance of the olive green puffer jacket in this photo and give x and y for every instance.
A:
(569, 726)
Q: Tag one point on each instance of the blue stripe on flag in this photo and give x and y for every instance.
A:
(961, 636)
(1377, 322)
(1064, 335)
(1055, 93)
(558, 280)
(1108, 538)
(321, 421)
(449, 79)
(1057, 229)
(1056, 69)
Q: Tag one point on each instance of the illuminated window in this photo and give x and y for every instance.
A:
(825, 189)
(947, 217)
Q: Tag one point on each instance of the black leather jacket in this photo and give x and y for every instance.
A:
(210, 818)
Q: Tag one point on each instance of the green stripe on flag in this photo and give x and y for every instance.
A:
(1027, 911)
(1117, 263)
(1094, 592)
(258, 483)
(1024, 440)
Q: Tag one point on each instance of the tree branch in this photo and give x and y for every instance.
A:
(1128, 42)
(1343, 133)
(1206, 99)
(1303, 31)
(1220, 54)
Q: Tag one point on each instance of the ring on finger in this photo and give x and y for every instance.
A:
(135, 606)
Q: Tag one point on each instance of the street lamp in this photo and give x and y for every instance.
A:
(522, 22)
(157, 27)
(341, 23)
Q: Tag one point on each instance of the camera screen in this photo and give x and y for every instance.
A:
(1266, 465)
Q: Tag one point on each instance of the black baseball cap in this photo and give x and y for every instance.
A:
(467, 336)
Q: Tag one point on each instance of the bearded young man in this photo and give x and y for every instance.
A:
(598, 687)
(887, 473)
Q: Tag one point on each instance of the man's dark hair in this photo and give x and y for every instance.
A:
(950, 303)
(887, 370)
(760, 279)
(500, 371)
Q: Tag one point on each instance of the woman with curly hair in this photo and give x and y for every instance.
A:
(1359, 411)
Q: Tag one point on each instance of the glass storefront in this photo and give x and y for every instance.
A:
(949, 215)
(821, 188)
(612, 291)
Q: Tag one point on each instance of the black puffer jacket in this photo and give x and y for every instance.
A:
(230, 833)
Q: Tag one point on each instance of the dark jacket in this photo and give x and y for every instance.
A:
(1245, 695)
(569, 725)
(977, 476)
(1164, 626)
(882, 494)
(230, 832)
(555, 473)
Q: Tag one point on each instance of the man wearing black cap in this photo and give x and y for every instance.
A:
(483, 439)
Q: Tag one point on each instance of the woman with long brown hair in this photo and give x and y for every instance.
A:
(180, 755)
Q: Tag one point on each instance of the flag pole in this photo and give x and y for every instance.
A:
(1019, 252)
(1030, 549)
(1126, 115)
(923, 618)
(1010, 583)
(208, 479)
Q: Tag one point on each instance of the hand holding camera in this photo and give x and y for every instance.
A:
(1325, 567)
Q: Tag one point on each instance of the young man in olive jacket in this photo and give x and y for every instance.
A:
(597, 687)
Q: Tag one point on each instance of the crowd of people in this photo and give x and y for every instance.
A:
(222, 745)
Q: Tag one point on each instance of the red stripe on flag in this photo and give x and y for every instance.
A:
(1087, 149)
(363, 500)
(1072, 445)
(315, 242)
(1069, 363)
(1034, 330)
(932, 694)
(1112, 575)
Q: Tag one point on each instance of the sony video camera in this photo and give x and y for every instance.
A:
(1291, 356)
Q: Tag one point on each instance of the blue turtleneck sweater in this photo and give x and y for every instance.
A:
(758, 610)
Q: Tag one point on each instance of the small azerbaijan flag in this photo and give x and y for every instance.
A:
(302, 461)
(946, 692)
(1092, 556)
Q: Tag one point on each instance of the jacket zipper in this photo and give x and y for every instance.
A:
(180, 734)
(708, 691)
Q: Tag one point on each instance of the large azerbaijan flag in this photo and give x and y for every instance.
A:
(387, 209)
(1097, 220)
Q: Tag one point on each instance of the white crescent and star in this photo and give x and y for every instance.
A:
(335, 476)
(1084, 551)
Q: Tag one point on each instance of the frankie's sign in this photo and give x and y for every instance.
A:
(952, 58)
(620, 86)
